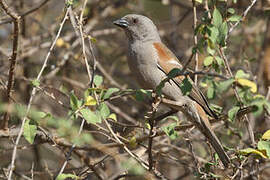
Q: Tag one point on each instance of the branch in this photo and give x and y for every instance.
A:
(16, 21)
(33, 93)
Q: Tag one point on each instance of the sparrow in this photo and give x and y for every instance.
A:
(150, 60)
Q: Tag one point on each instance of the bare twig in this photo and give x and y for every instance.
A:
(12, 166)
(230, 75)
(16, 23)
(195, 40)
(26, 13)
(243, 17)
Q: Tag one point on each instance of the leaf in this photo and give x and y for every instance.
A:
(223, 30)
(98, 80)
(264, 146)
(113, 117)
(35, 83)
(65, 176)
(133, 142)
(210, 92)
(248, 151)
(60, 42)
(234, 18)
(247, 83)
(224, 85)
(186, 86)
(266, 135)
(109, 92)
(199, 1)
(173, 73)
(241, 74)
(231, 10)
(217, 18)
(219, 60)
(233, 112)
(74, 102)
(37, 115)
(211, 51)
(29, 131)
(208, 60)
(133, 167)
(104, 110)
(90, 116)
(90, 101)
(141, 94)
(213, 34)
(169, 130)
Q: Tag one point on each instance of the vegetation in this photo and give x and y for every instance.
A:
(70, 108)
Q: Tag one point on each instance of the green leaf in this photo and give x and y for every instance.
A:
(169, 130)
(199, 1)
(210, 92)
(223, 31)
(231, 10)
(98, 80)
(37, 115)
(219, 60)
(208, 60)
(74, 102)
(35, 83)
(264, 146)
(173, 73)
(213, 34)
(266, 135)
(241, 74)
(259, 103)
(141, 94)
(29, 131)
(186, 86)
(65, 176)
(109, 92)
(90, 116)
(224, 85)
(211, 51)
(104, 110)
(217, 18)
(233, 112)
(133, 167)
(234, 18)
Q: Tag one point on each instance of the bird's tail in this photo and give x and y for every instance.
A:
(212, 138)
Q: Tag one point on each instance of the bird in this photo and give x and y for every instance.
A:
(150, 61)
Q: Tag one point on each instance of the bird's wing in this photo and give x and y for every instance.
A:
(168, 61)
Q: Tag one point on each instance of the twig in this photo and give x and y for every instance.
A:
(195, 40)
(230, 74)
(12, 166)
(26, 13)
(89, 76)
(242, 18)
(16, 22)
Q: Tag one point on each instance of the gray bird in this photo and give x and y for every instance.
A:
(150, 61)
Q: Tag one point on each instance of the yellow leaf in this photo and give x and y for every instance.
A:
(132, 142)
(113, 116)
(248, 151)
(248, 83)
(266, 135)
(90, 101)
(60, 42)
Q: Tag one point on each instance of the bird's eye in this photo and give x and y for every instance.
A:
(135, 20)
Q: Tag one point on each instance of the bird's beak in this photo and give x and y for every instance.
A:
(121, 23)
